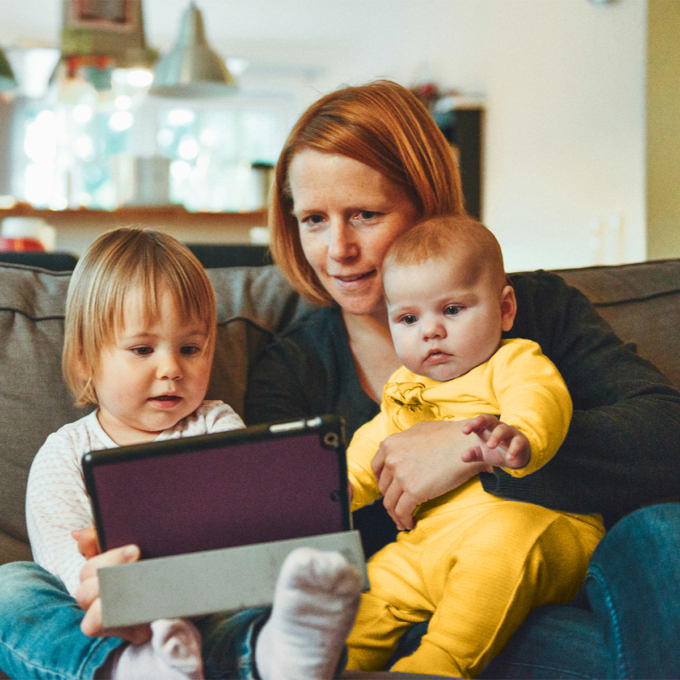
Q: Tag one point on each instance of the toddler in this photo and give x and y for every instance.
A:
(474, 565)
(139, 339)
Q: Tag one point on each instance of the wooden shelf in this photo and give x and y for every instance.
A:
(76, 229)
(169, 215)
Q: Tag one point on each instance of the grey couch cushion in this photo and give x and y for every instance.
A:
(33, 398)
(253, 305)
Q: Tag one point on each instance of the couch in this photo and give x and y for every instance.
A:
(641, 301)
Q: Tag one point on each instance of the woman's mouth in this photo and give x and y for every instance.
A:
(353, 280)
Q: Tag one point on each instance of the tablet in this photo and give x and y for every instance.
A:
(255, 485)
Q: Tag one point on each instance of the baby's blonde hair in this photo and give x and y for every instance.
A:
(118, 262)
(453, 236)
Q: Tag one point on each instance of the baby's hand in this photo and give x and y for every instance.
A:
(499, 444)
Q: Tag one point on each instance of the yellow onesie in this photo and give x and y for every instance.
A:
(475, 565)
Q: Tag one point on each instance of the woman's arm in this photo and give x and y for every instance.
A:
(622, 450)
(281, 385)
(308, 373)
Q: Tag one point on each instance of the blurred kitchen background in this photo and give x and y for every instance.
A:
(565, 114)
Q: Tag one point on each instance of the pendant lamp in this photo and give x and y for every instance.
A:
(7, 79)
(192, 69)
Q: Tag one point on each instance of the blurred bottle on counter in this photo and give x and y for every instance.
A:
(19, 234)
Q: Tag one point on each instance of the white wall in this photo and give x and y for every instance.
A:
(564, 82)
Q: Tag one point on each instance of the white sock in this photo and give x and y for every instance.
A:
(315, 604)
(173, 653)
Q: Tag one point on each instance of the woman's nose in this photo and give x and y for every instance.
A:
(342, 245)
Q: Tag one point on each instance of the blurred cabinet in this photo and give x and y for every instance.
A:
(462, 125)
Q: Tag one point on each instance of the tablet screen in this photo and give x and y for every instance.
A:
(219, 491)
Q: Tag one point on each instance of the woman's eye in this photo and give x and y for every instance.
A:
(452, 310)
(190, 350)
(142, 351)
(367, 214)
(409, 319)
(312, 220)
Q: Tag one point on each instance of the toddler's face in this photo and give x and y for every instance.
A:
(154, 374)
(445, 321)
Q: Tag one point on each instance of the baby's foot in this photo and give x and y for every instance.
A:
(315, 604)
(178, 643)
(173, 653)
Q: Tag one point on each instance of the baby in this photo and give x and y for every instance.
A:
(140, 334)
(474, 565)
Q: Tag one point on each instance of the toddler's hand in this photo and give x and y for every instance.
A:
(87, 596)
(499, 444)
(87, 542)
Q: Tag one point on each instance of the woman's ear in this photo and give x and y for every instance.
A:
(508, 307)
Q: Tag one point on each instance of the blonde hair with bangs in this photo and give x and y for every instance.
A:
(384, 126)
(461, 238)
(117, 263)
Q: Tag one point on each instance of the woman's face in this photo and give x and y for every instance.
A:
(348, 214)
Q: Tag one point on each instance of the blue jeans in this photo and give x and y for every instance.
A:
(40, 635)
(625, 622)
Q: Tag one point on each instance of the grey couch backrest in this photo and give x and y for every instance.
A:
(641, 302)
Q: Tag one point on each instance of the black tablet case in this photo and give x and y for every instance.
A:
(265, 483)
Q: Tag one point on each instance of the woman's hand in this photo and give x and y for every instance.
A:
(87, 594)
(420, 464)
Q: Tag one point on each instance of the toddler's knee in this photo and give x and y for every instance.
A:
(19, 580)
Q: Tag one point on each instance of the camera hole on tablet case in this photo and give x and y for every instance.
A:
(331, 439)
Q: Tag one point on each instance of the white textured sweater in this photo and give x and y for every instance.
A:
(56, 500)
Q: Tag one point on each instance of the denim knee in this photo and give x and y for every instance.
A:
(40, 636)
(633, 585)
(646, 538)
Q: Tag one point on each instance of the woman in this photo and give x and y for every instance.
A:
(360, 167)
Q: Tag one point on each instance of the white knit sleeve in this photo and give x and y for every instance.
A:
(56, 504)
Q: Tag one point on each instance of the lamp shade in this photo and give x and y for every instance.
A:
(7, 79)
(192, 68)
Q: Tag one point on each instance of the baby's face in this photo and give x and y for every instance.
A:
(445, 318)
(154, 374)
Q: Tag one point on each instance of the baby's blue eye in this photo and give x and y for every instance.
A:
(409, 319)
(452, 310)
